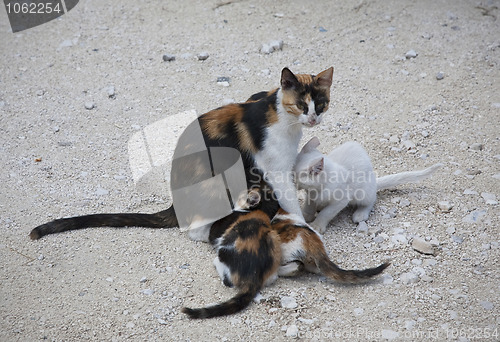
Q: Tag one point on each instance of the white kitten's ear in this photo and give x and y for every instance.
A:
(324, 78)
(317, 166)
(310, 145)
(288, 80)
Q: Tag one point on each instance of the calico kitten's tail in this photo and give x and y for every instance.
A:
(162, 219)
(332, 271)
(405, 177)
(232, 306)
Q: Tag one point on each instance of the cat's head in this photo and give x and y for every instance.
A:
(306, 96)
(309, 165)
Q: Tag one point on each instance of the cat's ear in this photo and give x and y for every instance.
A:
(317, 166)
(310, 145)
(324, 78)
(288, 80)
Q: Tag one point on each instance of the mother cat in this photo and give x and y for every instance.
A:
(266, 131)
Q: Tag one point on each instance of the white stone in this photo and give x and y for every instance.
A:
(288, 302)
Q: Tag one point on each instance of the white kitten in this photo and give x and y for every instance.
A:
(344, 177)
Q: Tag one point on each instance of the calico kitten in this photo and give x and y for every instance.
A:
(248, 254)
(265, 130)
(253, 251)
(344, 177)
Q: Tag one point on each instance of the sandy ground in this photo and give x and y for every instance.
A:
(61, 159)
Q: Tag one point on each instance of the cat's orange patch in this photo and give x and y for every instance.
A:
(304, 78)
(246, 142)
(289, 100)
(214, 123)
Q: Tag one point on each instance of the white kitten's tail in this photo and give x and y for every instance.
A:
(405, 177)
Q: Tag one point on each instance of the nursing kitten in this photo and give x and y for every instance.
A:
(302, 247)
(248, 254)
(265, 130)
(253, 251)
(344, 177)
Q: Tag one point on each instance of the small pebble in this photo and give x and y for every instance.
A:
(409, 278)
(292, 331)
(422, 246)
(101, 192)
(470, 192)
(148, 292)
(439, 76)
(411, 54)
(362, 227)
(168, 58)
(474, 216)
(404, 203)
(457, 239)
(109, 279)
(288, 302)
(489, 198)
(89, 105)
(476, 147)
(358, 311)
(111, 92)
(202, 56)
(445, 206)
(487, 305)
(143, 280)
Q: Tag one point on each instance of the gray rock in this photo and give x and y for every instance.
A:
(457, 239)
(422, 246)
(168, 58)
(143, 280)
(89, 105)
(439, 76)
(148, 292)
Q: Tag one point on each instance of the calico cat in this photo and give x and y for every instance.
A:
(265, 130)
(253, 251)
(344, 177)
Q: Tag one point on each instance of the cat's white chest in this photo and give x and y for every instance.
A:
(280, 148)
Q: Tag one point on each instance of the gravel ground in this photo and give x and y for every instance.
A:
(416, 82)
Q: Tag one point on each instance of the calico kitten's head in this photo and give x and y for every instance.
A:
(306, 96)
(309, 165)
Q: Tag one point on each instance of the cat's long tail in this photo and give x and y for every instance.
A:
(232, 306)
(405, 177)
(332, 271)
(161, 219)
